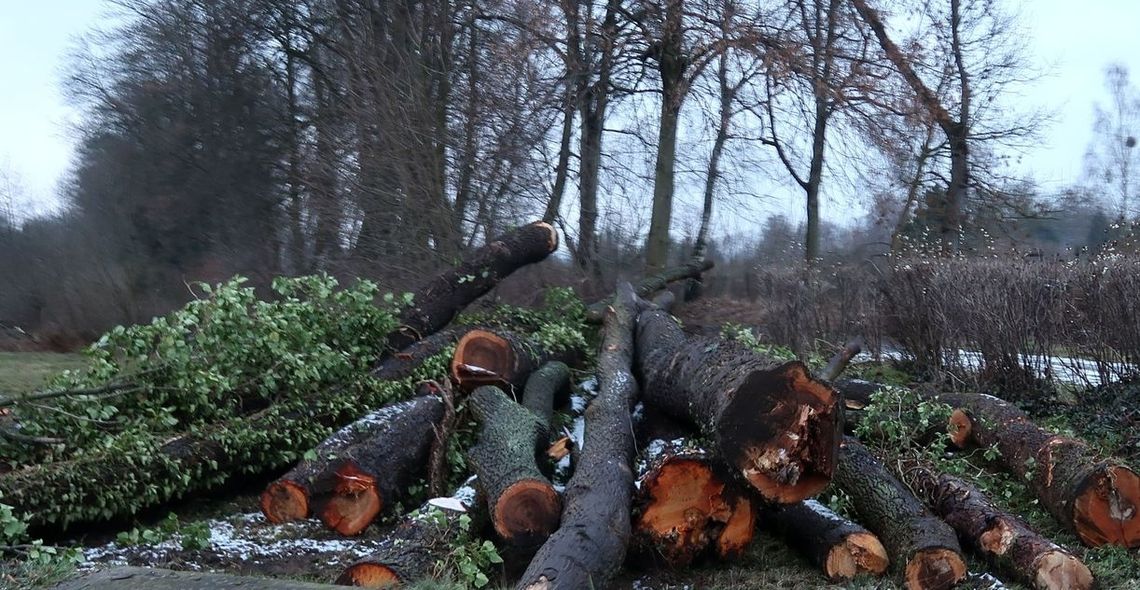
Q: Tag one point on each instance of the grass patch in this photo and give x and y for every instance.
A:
(21, 372)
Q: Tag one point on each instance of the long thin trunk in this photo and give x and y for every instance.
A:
(562, 172)
(672, 66)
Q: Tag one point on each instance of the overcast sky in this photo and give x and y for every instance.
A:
(1071, 41)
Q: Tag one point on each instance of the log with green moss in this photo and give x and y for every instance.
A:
(922, 549)
(524, 506)
(376, 472)
(415, 549)
(771, 421)
(504, 358)
(1097, 497)
(435, 304)
(590, 545)
(305, 488)
(1002, 538)
(687, 506)
(841, 548)
(652, 284)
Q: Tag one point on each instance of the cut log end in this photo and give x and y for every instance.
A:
(527, 512)
(859, 553)
(689, 509)
(481, 358)
(284, 501)
(369, 575)
(1059, 570)
(1107, 511)
(796, 459)
(934, 569)
(961, 428)
(552, 239)
(355, 502)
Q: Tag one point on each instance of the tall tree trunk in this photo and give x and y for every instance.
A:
(672, 65)
(562, 171)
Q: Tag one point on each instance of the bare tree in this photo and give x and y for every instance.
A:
(1111, 158)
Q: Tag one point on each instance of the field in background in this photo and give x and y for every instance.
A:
(26, 371)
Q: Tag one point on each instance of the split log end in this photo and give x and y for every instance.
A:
(527, 512)
(1107, 510)
(1060, 570)
(284, 501)
(552, 234)
(737, 533)
(934, 568)
(355, 502)
(802, 426)
(859, 553)
(368, 575)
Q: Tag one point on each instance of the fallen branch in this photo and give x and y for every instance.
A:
(842, 358)
(650, 285)
(841, 548)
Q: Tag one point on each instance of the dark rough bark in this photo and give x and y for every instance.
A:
(375, 473)
(524, 506)
(303, 490)
(770, 421)
(403, 363)
(1098, 498)
(839, 362)
(841, 548)
(547, 388)
(423, 538)
(687, 506)
(653, 284)
(501, 358)
(436, 303)
(1005, 540)
(921, 547)
(590, 546)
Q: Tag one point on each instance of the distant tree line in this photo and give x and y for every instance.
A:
(383, 138)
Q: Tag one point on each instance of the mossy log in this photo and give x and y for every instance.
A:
(375, 473)
(841, 548)
(523, 505)
(486, 356)
(295, 495)
(1005, 540)
(652, 284)
(590, 545)
(687, 506)
(922, 548)
(436, 303)
(772, 422)
(1098, 498)
(410, 551)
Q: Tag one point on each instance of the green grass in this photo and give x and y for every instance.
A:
(21, 372)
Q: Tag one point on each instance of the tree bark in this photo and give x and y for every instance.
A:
(774, 424)
(295, 495)
(590, 546)
(688, 506)
(524, 507)
(841, 548)
(1005, 540)
(839, 362)
(375, 473)
(436, 303)
(404, 363)
(422, 539)
(921, 547)
(546, 389)
(652, 284)
(501, 358)
(1097, 498)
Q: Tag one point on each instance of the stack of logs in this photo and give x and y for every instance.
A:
(688, 443)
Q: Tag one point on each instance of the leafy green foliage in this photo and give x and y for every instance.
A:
(218, 357)
(745, 336)
(559, 325)
(471, 558)
(190, 536)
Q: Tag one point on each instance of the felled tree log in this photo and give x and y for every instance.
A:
(437, 302)
(687, 506)
(402, 364)
(423, 538)
(547, 388)
(486, 356)
(773, 423)
(841, 548)
(311, 482)
(1097, 498)
(650, 285)
(921, 547)
(524, 506)
(375, 472)
(1002, 538)
(590, 545)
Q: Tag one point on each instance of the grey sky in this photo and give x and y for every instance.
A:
(1072, 41)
